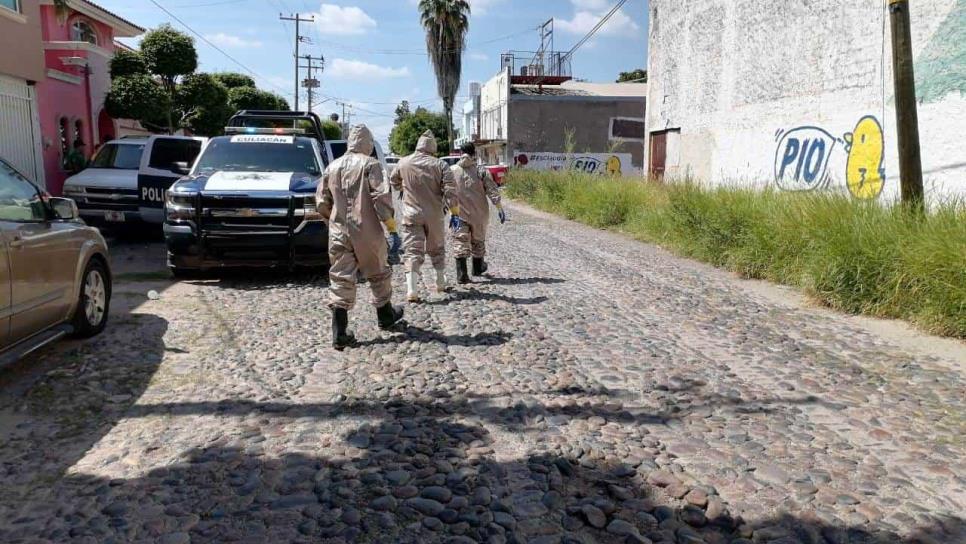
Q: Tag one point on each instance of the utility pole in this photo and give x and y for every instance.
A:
(311, 83)
(298, 39)
(907, 115)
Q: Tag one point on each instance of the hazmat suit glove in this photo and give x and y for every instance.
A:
(502, 213)
(395, 243)
(391, 225)
(455, 223)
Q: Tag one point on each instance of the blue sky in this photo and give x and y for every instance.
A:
(375, 49)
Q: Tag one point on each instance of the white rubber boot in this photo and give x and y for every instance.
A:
(441, 286)
(412, 289)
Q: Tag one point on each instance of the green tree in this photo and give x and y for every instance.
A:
(202, 104)
(250, 98)
(637, 76)
(405, 135)
(127, 63)
(402, 111)
(138, 97)
(169, 55)
(446, 23)
(233, 79)
(331, 130)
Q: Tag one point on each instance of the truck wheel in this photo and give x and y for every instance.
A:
(94, 302)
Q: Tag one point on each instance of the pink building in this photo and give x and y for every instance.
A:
(77, 53)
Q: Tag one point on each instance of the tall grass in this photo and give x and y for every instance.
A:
(858, 257)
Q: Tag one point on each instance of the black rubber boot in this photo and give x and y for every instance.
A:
(462, 276)
(341, 337)
(389, 315)
(479, 266)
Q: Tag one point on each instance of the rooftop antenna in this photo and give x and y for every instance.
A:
(546, 45)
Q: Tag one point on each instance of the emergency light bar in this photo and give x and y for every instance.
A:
(273, 131)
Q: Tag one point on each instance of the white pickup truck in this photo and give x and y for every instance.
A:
(126, 180)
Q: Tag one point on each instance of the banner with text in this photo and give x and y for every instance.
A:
(611, 164)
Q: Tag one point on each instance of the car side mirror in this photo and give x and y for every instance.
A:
(64, 209)
(181, 168)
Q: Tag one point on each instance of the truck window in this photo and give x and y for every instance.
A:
(118, 156)
(167, 151)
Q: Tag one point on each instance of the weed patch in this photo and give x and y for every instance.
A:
(858, 257)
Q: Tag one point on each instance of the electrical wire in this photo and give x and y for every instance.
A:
(600, 24)
(220, 50)
(414, 52)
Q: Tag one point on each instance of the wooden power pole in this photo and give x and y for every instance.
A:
(311, 83)
(298, 39)
(907, 115)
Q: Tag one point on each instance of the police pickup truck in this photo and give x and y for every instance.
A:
(126, 180)
(249, 200)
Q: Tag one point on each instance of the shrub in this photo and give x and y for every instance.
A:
(857, 257)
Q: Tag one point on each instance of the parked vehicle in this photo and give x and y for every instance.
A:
(55, 276)
(127, 178)
(498, 171)
(248, 201)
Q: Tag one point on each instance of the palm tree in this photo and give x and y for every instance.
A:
(446, 23)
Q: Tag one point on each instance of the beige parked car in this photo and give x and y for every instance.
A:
(55, 278)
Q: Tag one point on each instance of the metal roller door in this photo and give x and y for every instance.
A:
(20, 133)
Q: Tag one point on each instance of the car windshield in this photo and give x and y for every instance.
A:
(118, 156)
(259, 154)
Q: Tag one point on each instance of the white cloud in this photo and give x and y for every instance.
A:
(584, 21)
(480, 7)
(357, 69)
(592, 5)
(479, 56)
(227, 40)
(343, 21)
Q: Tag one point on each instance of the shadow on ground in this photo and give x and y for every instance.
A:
(412, 333)
(422, 473)
(469, 293)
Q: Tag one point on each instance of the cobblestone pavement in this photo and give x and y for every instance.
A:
(594, 389)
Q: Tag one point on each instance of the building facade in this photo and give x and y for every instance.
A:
(799, 95)
(566, 118)
(469, 128)
(21, 72)
(77, 50)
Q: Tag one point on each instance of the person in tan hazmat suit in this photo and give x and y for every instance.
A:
(354, 197)
(426, 184)
(474, 185)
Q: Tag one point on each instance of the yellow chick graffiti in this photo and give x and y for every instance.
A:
(865, 174)
(614, 166)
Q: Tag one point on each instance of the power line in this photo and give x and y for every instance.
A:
(588, 36)
(220, 50)
(222, 2)
(594, 30)
(415, 52)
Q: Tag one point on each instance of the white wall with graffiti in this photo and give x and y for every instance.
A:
(609, 164)
(798, 95)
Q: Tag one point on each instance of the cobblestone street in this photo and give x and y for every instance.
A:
(594, 389)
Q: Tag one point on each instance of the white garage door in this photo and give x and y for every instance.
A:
(20, 135)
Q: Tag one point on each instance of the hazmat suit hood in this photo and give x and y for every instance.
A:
(360, 140)
(466, 161)
(427, 143)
